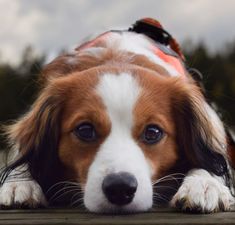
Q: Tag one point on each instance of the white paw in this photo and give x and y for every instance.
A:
(21, 194)
(201, 192)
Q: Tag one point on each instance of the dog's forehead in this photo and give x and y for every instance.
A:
(119, 94)
(117, 88)
(131, 98)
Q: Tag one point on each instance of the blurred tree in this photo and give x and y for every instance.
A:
(18, 86)
(218, 77)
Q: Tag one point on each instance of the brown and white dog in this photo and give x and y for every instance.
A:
(119, 124)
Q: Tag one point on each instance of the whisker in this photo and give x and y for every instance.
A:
(75, 195)
(166, 179)
(156, 198)
(63, 189)
(169, 187)
(63, 194)
(77, 201)
(62, 182)
(162, 197)
(170, 177)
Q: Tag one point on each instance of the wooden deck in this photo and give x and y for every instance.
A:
(73, 216)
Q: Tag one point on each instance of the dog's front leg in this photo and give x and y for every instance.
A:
(202, 192)
(19, 190)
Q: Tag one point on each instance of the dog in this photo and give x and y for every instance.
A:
(120, 125)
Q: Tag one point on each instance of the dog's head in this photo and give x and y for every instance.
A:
(115, 123)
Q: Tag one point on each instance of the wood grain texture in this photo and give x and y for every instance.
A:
(74, 216)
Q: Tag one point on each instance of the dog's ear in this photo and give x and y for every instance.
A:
(36, 136)
(200, 133)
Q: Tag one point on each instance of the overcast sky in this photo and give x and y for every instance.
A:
(52, 25)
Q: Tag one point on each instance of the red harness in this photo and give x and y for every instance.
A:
(164, 46)
(170, 57)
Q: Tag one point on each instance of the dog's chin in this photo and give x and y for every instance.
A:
(108, 208)
(105, 207)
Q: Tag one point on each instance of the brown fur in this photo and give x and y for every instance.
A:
(69, 99)
(155, 107)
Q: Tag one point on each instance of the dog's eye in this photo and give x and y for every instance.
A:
(152, 134)
(86, 132)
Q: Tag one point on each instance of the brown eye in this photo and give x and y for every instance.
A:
(85, 132)
(152, 134)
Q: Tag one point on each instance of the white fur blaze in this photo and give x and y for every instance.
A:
(119, 152)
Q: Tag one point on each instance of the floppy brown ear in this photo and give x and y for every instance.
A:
(200, 133)
(36, 137)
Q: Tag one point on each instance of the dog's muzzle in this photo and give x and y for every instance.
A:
(119, 188)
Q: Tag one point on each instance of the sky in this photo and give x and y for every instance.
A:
(52, 25)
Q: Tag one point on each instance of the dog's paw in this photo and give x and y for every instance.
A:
(21, 194)
(202, 193)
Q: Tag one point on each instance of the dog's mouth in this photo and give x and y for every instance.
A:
(119, 193)
(116, 193)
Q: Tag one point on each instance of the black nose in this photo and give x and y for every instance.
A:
(119, 188)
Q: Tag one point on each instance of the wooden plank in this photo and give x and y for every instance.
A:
(73, 216)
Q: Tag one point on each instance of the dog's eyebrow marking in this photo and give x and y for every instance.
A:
(119, 94)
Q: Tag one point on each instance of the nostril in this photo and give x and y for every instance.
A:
(120, 188)
(131, 190)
